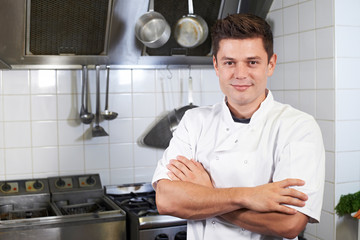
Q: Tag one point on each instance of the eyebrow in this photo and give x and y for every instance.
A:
(248, 58)
(254, 58)
(227, 58)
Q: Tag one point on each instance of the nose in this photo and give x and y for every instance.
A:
(241, 71)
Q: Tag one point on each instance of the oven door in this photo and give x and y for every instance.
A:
(166, 233)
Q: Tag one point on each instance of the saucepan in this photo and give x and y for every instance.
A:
(160, 134)
(152, 28)
(191, 30)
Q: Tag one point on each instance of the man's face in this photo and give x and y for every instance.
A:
(243, 68)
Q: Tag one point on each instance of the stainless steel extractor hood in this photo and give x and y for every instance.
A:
(68, 33)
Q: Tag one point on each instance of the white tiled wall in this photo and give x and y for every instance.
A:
(347, 50)
(307, 73)
(319, 74)
(41, 134)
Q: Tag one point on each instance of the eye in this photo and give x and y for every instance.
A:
(253, 62)
(229, 63)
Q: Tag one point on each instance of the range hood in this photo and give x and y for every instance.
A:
(68, 33)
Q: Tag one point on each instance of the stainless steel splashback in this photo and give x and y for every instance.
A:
(23, 39)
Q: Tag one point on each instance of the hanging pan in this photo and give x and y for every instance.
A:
(191, 30)
(152, 28)
(160, 135)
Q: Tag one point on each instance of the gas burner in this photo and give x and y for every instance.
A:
(143, 219)
(138, 201)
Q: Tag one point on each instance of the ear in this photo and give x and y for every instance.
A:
(215, 65)
(271, 65)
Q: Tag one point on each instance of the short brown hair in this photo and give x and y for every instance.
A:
(242, 26)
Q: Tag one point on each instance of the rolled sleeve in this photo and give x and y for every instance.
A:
(305, 160)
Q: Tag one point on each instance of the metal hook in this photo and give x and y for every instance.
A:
(170, 73)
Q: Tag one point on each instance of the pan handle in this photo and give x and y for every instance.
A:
(173, 120)
(151, 6)
(190, 89)
(191, 7)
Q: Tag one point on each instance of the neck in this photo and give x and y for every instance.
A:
(242, 112)
(247, 110)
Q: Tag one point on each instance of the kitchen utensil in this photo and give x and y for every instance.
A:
(85, 116)
(191, 30)
(176, 115)
(152, 28)
(108, 115)
(97, 130)
(161, 133)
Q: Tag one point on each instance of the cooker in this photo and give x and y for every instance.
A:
(142, 218)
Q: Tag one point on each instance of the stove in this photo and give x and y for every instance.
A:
(61, 208)
(143, 220)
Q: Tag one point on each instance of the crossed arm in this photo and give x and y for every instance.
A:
(260, 209)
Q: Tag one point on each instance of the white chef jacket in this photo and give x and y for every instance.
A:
(279, 142)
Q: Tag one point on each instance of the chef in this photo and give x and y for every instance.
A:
(248, 167)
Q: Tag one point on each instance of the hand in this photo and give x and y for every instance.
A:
(183, 169)
(271, 197)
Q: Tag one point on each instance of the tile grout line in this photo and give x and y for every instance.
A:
(2, 120)
(30, 123)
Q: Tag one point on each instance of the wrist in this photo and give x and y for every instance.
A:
(240, 197)
(237, 197)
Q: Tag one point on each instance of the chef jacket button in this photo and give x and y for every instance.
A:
(236, 141)
(213, 222)
(245, 161)
(227, 129)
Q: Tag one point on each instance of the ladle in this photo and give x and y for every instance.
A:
(85, 116)
(97, 130)
(108, 115)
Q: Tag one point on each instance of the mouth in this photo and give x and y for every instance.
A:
(241, 87)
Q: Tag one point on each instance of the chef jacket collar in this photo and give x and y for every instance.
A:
(257, 118)
(228, 135)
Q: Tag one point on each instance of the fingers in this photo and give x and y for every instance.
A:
(292, 201)
(173, 177)
(184, 165)
(291, 196)
(180, 168)
(275, 196)
(285, 184)
(294, 194)
(285, 209)
(174, 164)
(190, 164)
(187, 170)
(176, 171)
(291, 182)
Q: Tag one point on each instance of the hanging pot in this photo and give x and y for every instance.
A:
(191, 30)
(152, 28)
(160, 135)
